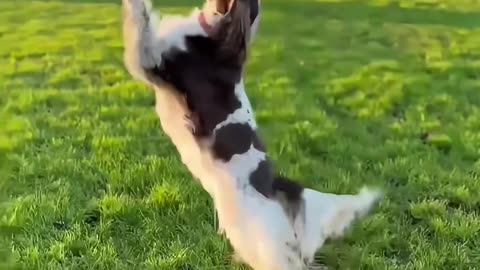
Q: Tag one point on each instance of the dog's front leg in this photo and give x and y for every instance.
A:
(142, 48)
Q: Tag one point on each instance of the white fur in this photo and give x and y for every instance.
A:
(264, 219)
(244, 114)
(257, 227)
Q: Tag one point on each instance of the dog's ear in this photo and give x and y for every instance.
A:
(233, 32)
(254, 9)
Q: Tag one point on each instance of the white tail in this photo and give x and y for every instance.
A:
(329, 215)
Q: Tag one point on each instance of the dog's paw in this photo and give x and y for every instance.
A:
(140, 9)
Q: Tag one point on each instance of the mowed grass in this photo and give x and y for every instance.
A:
(383, 93)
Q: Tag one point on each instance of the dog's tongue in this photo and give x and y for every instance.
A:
(204, 24)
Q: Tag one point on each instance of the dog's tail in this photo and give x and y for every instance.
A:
(329, 215)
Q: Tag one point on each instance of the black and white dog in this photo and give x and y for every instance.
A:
(195, 64)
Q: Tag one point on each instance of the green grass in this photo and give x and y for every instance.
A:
(346, 93)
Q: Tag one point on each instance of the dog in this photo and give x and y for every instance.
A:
(195, 65)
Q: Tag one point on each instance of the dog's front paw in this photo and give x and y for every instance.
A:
(133, 4)
(138, 8)
(189, 123)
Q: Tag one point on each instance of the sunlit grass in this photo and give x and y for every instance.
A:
(346, 94)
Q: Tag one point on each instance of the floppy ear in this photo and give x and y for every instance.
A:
(233, 32)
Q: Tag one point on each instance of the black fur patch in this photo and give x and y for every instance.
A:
(258, 144)
(261, 178)
(253, 10)
(292, 190)
(289, 194)
(232, 139)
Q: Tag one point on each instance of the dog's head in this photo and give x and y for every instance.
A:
(221, 10)
(232, 32)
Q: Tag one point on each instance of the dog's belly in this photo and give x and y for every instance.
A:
(171, 109)
(218, 181)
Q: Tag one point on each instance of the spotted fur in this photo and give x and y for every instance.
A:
(273, 223)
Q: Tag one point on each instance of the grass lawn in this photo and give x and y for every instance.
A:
(384, 93)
